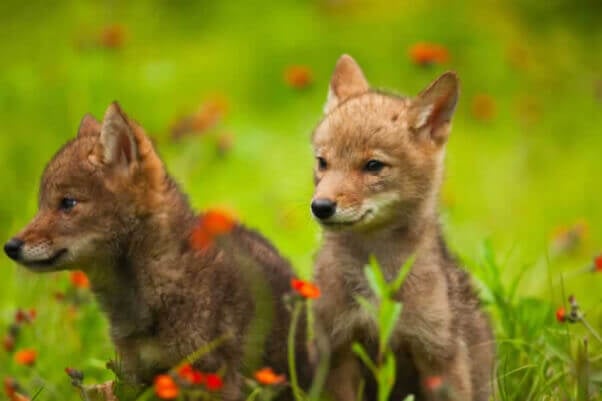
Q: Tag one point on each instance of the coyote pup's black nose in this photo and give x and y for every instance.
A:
(13, 248)
(323, 208)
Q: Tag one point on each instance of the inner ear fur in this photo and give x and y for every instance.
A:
(347, 80)
(432, 110)
(117, 145)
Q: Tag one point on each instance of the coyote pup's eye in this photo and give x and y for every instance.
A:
(374, 166)
(67, 204)
(322, 164)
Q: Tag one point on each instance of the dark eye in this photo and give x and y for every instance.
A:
(66, 204)
(322, 164)
(374, 166)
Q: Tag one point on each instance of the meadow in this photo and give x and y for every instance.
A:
(230, 93)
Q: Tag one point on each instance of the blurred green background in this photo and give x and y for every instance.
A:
(230, 92)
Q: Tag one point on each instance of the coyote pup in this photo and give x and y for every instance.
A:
(377, 177)
(108, 206)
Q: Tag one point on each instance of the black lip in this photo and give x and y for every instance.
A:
(46, 262)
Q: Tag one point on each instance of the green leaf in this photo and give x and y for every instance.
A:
(363, 355)
(366, 304)
(375, 278)
(409, 398)
(403, 273)
(387, 320)
(386, 378)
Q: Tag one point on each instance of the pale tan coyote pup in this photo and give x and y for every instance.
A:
(379, 167)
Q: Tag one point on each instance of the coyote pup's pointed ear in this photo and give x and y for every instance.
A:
(432, 110)
(347, 80)
(116, 145)
(89, 126)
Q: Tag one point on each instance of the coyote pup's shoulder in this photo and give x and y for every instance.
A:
(379, 166)
(107, 206)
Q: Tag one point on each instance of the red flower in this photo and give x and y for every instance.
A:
(298, 76)
(22, 316)
(305, 288)
(210, 225)
(213, 382)
(75, 374)
(561, 315)
(165, 387)
(190, 374)
(59, 296)
(10, 387)
(428, 53)
(598, 263)
(79, 279)
(26, 357)
(268, 377)
(433, 383)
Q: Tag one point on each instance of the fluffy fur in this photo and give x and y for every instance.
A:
(390, 211)
(129, 231)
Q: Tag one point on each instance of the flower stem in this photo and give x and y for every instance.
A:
(292, 337)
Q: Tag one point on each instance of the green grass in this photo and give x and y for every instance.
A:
(511, 181)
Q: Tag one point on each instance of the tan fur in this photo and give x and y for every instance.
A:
(392, 214)
(129, 231)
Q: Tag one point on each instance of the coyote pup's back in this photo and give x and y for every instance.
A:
(377, 177)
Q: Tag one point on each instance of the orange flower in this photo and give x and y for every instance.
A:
(165, 387)
(483, 107)
(268, 377)
(212, 224)
(113, 36)
(190, 374)
(428, 53)
(561, 315)
(209, 114)
(225, 141)
(298, 76)
(598, 263)
(218, 222)
(305, 288)
(566, 239)
(213, 382)
(433, 383)
(26, 357)
(79, 279)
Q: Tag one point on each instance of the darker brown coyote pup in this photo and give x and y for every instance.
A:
(108, 206)
(379, 166)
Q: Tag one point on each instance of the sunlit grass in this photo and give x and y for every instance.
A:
(511, 180)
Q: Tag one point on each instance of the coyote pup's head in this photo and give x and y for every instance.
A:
(91, 193)
(379, 157)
